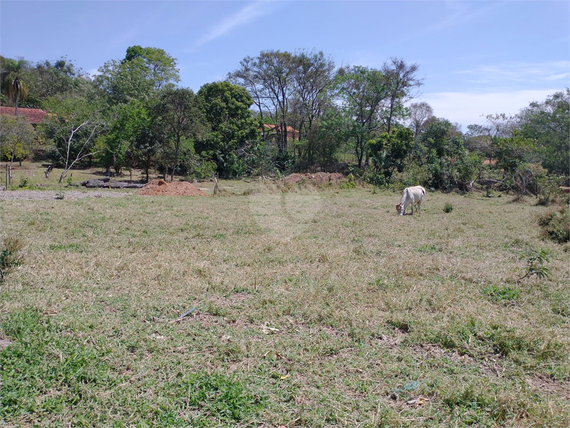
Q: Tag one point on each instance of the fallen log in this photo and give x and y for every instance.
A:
(106, 183)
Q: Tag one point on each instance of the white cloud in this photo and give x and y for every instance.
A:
(247, 15)
(520, 72)
(468, 108)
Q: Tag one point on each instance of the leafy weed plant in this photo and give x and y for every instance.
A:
(10, 257)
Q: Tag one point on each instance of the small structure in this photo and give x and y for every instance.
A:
(34, 115)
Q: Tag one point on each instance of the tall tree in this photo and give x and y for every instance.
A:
(128, 123)
(13, 81)
(420, 113)
(47, 79)
(179, 120)
(362, 92)
(17, 137)
(138, 76)
(270, 77)
(313, 79)
(548, 123)
(288, 89)
(441, 149)
(400, 79)
(227, 111)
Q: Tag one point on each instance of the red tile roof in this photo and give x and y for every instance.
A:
(291, 132)
(34, 115)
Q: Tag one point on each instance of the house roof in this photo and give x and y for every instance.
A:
(34, 115)
(291, 132)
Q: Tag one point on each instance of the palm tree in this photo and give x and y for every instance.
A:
(13, 83)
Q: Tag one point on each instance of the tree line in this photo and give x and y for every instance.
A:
(276, 113)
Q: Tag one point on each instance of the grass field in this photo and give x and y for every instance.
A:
(311, 309)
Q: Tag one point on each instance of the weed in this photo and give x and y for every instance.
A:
(26, 184)
(556, 225)
(223, 398)
(505, 295)
(10, 257)
(429, 249)
(447, 208)
(535, 261)
(68, 248)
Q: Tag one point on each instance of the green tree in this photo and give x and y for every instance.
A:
(270, 78)
(388, 153)
(13, 81)
(17, 138)
(440, 148)
(321, 146)
(232, 129)
(512, 153)
(548, 124)
(362, 93)
(128, 124)
(47, 79)
(178, 121)
(313, 79)
(139, 76)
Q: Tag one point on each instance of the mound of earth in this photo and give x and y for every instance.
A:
(317, 177)
(175, 188)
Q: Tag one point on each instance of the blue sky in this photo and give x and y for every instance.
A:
(476, 57)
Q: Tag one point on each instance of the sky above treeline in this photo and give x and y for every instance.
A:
(476, 57)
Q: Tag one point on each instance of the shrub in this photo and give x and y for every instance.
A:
(10, 258)
(26, 184)
(535, 263)
(448, 207)
(556, 225)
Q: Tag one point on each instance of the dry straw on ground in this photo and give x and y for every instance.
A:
(359, 318)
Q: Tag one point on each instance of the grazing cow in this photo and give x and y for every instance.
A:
(410, 196)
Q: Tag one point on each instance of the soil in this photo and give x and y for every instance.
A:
(175, 188)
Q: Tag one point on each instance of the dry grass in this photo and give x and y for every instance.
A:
(326, 306)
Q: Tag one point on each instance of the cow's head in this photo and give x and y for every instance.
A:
(400, 209)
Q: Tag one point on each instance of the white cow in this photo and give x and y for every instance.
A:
(410, 196)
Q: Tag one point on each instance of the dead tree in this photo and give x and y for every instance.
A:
(80, 154)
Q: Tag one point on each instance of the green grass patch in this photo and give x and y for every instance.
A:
(505, 294)
(68, 248)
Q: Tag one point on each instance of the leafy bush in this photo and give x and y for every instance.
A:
(535, 260)
(556, 225)
(26, 184)
(505, 295)
(10, 258)
(447, 207)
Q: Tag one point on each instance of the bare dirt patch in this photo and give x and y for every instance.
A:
(546, 384)
(316, 178)
(175, 188)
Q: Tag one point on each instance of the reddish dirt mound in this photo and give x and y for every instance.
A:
(175, 188)
(317, 177)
